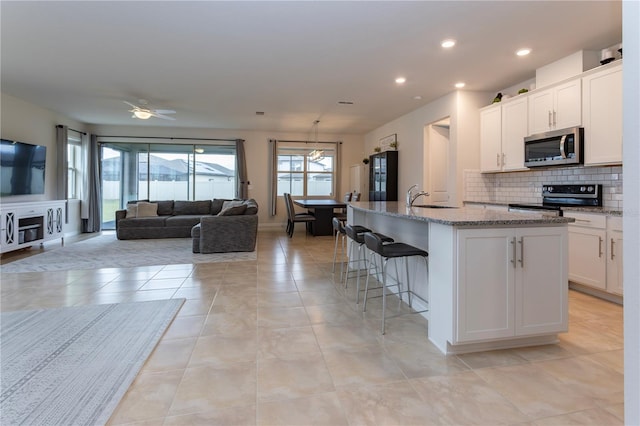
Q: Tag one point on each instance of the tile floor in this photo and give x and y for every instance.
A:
(277, 341)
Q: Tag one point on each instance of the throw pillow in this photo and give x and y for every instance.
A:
(216, 205)
(147, 209)
(233, 210)
(232, 203)
(165, 208)
(132, 210)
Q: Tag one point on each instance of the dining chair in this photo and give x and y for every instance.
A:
(293, 217)
(342, 214)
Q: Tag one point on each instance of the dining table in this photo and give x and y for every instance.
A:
(322, 209)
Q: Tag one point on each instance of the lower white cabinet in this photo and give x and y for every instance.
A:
(614, 255)
(512, 282)
(595, 251)
(25, 224)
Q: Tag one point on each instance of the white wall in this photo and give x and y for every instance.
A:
(462, 107)
(257, 151)
(25, 122)
(631, 247)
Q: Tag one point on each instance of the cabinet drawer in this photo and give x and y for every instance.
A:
(614, 223)
(587, 220)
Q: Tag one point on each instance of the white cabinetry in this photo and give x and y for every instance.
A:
(614, 255)
(520, 273)
(602, 116)
(595, 251)
(26, 224)
(503, 128)
(558, 107)
(491, 139)
(514, 129)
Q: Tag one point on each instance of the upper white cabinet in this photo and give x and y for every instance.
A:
(514, 130)
(558, 107)
(491, 139)
(502, 131)
(602, 116)
(521, 273)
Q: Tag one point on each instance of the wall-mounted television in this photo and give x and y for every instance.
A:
(22, 167)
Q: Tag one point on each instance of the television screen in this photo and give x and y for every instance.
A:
(21, 168)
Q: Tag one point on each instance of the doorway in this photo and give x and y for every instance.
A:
(438, 159)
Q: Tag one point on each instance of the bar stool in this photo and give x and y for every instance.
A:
(392, 251)
(356, 234)
(338, 230)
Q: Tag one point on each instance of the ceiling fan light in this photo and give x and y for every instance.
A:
(142, 115)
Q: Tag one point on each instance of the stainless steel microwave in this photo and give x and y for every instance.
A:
(555, 148)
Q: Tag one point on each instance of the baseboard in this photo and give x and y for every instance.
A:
(596, 293)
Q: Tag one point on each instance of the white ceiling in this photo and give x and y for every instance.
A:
(217, 63)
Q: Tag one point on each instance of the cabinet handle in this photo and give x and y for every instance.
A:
(554, 118)
(513, 248)
(599, 246)
(549, 118)
(498, 159)
(612, 255)
(503, 154)
(521, 260)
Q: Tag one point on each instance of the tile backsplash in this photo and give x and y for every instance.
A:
(526, 186)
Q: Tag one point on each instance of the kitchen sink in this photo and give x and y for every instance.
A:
(433, 206)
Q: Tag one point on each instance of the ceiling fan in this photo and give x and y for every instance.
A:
(143, 112)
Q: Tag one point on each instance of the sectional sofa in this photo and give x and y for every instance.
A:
(231, 225)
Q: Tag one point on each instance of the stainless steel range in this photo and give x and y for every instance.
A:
(554, 197)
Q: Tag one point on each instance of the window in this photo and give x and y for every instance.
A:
(165, 171)
(74, 164)
(301, 175)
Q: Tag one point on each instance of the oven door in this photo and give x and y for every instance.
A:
(560, 147)
(552, 211)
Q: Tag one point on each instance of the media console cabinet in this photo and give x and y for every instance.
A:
(25, 224)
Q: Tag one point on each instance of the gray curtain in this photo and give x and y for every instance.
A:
(93, 223)
(273, 179)
(62, 133)
(86, 178)
(242, 190)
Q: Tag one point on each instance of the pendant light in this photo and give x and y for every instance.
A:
(317, 154)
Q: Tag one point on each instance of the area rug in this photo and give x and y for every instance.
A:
(71, 366)
(106, 251)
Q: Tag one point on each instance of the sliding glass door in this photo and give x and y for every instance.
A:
(162, 171)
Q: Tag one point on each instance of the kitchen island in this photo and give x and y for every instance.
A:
(496, 279)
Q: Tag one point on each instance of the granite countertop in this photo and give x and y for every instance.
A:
(598, 210)
(459, 216)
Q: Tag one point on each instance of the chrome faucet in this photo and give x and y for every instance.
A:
(411, 198)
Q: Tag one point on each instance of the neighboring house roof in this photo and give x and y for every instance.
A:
(162, 167)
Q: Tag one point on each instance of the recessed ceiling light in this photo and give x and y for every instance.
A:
(417, 97)
(523, 52)
(459, 85)
(448, 43)
(401, 80)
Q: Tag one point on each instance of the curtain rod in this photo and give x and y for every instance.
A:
(170, 138)
(73, 130)
(337, 142)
